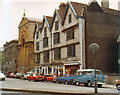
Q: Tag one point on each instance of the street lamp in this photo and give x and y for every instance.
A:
(94, 47)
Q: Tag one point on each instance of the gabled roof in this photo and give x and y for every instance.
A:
(29, 19)
(59, 13)
(93, 6)
(37, 27)
(77, 9)
(54, 15)
(48, 20)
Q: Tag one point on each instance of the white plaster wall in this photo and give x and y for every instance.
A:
(74, 20)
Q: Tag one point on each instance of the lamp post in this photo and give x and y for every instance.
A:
(94, 47)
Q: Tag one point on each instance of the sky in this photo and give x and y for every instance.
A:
(11, 13)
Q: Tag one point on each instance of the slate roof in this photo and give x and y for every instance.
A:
(78, 7)
(49, 19)
(33, 19)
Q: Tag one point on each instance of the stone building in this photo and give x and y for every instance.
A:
(73, 28)
(1, 58)
(10, 56)
(26, 44)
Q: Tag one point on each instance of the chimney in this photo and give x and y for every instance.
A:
(62, 6)
(105, 3)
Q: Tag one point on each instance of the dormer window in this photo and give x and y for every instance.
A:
(69, 18)
(56, 25)
(45, 32)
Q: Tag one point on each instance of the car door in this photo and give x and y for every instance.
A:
(60, 79)
(31, 76)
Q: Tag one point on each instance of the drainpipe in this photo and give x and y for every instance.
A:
(81, 36)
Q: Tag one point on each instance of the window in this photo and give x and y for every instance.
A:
(37, 46)
(45, 42)
(71, 51)
(56, 25)
(57, 53)
(69, 18)
(56, 38)
(37, 35)
(38, 58)
(23, 42)
(70, 34)
(45, 32)
(46, 56)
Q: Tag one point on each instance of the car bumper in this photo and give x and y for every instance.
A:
(2, 78)
(99, 83)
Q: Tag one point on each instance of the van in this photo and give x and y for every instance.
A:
(86, 76)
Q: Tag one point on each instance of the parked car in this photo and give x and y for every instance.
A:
(12, 75)
(36, 77)
(86, 76)
(51, 77)
(65, 78)
(8, 74)
(117, 84)
(25, 75)
(2, 76)
(17, 75)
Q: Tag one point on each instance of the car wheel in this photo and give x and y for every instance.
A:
(57, 81)
(99, 85)
(34, 80)
(66, 82)
(118, 86)
(77, 83)
(89, 84)
(28, 79)
(52, 81)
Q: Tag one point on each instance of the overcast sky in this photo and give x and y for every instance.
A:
(11, 13)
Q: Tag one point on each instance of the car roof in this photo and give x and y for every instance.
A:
(87, 70)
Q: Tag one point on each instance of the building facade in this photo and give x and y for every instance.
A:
(1, 58)
(63, 42)
(26, 44)
(10, 56)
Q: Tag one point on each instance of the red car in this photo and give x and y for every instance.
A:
(8, 74)
(36, 77)
(12, 75)
(51, 77)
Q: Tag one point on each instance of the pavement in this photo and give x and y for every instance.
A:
(105, 90)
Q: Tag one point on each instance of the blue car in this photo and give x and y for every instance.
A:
(65, 78)
(86, 76)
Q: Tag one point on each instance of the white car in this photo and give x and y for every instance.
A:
(2, 76)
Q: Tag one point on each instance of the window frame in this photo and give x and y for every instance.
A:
(56, 25)
(70, 34)
(37, 46)
(45, 42)
(56, 38)
(69, 18)
(57, 53)
(46, 56)
(71, 51)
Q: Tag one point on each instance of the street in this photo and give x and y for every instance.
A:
(25, 85)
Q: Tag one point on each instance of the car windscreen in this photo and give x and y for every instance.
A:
(98, 73)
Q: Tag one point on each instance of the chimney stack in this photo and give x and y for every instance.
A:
(62, 6)
(105, 3)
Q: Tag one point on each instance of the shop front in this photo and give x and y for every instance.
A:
(70, 68)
